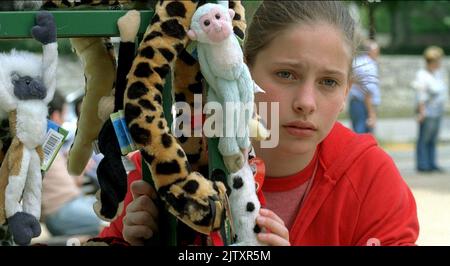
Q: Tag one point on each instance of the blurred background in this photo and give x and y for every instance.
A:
(403, 30)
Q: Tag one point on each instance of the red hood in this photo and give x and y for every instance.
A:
(342, 140)
(337, 153)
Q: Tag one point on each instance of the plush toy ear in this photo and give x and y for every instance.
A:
(14, 77)
(232, 13)
(192, 35)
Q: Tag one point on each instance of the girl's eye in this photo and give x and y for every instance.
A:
(217, 16)
(285, 75)
(329, 83)
(206, 23)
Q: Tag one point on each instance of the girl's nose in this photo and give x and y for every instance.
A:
(304, 99)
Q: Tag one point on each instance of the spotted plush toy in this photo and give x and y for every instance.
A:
(190, 196)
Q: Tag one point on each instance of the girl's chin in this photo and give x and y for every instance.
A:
(296, 147)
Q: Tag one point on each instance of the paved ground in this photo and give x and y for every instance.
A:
(431, 191)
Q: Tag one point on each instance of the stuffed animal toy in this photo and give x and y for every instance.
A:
(222, 65)
(245, 206)
(99, 69)
(28, 85)
(195, 200)
(111, 172)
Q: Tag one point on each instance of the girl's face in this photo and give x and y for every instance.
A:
(305, 69)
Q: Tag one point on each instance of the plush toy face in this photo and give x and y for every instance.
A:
(28, 88)
(214, 24)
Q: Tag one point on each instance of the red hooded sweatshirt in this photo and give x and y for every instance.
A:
(357, 198)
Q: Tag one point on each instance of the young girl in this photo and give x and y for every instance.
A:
(324, 184)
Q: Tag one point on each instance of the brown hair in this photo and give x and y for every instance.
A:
(272, 17)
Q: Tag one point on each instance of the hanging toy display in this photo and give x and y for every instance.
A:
(28, 85)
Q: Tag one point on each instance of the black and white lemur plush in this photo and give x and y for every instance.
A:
(28, 84)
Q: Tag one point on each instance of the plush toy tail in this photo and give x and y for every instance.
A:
(187, 84)
(100, 71)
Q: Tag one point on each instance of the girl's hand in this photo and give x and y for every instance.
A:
(276, 233)
(141, 219)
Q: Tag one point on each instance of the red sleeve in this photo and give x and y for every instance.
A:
(116, 226)
(388, 213)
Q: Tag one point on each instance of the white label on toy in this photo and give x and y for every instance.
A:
(128, 164)
(124, 138)
(53, 141)
(95, 147)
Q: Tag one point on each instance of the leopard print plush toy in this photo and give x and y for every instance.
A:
(187, 81)
(191, 197)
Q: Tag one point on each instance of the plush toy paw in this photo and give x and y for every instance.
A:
(98, 209)
(258, 130)
(23, 226)
(234, 162)
(129, 25)
(45, 30)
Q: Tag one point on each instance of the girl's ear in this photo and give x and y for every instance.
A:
(349, 85)
(342, 107)
(347, 90)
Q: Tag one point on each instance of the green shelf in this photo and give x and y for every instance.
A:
(76, 23)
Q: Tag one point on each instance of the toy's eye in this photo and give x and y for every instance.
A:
(217, 16)
(207, 23)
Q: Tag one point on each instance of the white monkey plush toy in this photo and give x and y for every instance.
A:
(27, 85)
(230, 84)
(221, 63)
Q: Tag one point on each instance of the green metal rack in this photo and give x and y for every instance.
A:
(77, 23)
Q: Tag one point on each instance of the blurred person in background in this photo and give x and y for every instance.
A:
(364, 95)
(65, 209)
(431, 86)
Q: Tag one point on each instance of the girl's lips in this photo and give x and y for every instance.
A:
(300, 128)
(300, 132)
(301, 124)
